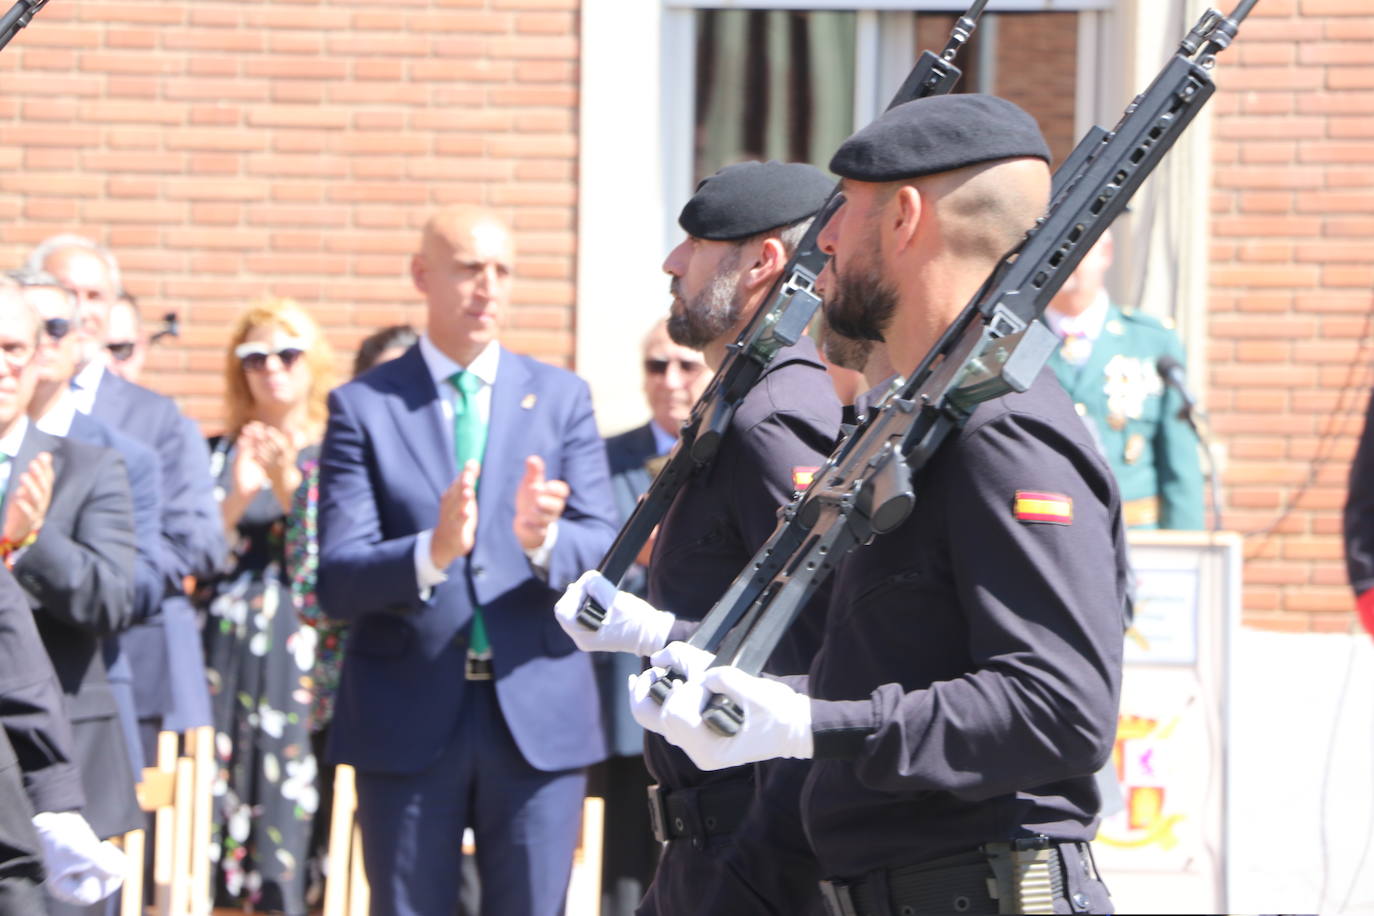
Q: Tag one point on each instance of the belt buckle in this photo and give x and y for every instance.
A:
(658, 814)
(839, 900)
(478, 669)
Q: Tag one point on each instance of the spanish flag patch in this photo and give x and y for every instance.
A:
(1035, 506)
(802, 477)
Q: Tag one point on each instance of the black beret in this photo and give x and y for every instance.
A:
(747, 198)
(939, 133)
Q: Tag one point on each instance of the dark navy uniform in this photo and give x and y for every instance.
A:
(784, 428)
(1153, 453)
(967, 689)
(1359, 523)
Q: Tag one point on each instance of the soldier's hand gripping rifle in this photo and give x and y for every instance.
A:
(997, 345)
(779, 322)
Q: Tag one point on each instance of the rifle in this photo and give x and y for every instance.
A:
(18, 17)
(996, 346)
(789, 308)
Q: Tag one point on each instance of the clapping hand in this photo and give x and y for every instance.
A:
(32, 494)
(538, 504)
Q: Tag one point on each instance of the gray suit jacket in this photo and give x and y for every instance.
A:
(79, 582)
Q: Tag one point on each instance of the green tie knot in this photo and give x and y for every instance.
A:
(466, 382)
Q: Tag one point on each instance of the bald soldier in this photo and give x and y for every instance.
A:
(966, 687)
(462, 488)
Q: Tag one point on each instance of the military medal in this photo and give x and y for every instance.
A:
(1135, 447)
(1116, 420)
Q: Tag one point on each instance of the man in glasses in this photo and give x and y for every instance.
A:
(674, 378)
(53, 411)
(68, 537)
(741, 227)
(125, 341)
(164, 650)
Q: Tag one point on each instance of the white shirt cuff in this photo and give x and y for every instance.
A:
(539, 556)
(427, 575)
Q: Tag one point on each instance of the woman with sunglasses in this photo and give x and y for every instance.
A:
(259, 658)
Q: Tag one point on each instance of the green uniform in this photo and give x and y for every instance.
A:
(1153, 453)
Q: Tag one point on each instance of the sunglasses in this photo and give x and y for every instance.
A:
(56, 328)
(688, 367)
(121, 350)
(253, 356)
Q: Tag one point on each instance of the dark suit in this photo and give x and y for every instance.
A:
(164, 650)
(151, 583)
(421, 736)
(36, 768)
(630, 852)
(78, 581)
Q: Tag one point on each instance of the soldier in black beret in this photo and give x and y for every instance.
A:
(966, 688)
(734, 842)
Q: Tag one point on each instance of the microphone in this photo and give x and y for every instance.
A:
(1172, 372)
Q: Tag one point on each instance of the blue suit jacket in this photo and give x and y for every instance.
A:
(387, 458)
(627, 454)
(164, 651)
(151, 582)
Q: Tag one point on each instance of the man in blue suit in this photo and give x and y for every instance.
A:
(164, 650)
(462, 487)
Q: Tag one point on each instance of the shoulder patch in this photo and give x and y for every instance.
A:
(1040, 506)
(802, 477)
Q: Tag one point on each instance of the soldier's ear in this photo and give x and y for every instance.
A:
(772, 258)
(904, 212)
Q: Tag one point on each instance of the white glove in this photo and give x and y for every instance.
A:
(676, 656)
(81, 869)
(777, 719)
(631, 624)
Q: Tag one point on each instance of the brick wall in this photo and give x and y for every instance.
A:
(225, 150)
(1290, 351)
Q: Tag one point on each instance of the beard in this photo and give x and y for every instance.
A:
(713, 311)
(845, 352)
(859, 305)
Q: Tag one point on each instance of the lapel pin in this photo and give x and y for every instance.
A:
(528, 401)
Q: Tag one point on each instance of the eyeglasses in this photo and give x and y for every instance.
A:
(120, 350)
(253, 356)
(688, 367)
(56, 328)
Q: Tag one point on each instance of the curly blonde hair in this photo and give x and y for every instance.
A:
(287, 316)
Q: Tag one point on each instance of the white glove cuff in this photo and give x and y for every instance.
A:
(800, 742)
(653, 634)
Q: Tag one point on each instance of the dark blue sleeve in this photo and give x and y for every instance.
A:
(588, 524)
(360, 571)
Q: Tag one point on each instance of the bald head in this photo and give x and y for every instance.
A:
(464, 269)
(981, 211)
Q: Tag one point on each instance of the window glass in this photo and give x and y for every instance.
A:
(772, 84)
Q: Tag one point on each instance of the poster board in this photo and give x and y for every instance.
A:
(1165, 850)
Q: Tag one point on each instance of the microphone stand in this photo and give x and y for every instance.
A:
(1192, 415)
(18, 17)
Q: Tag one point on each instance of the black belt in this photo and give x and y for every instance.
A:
(964, 883)
(698, 813)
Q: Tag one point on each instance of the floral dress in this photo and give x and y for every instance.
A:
(259, 660)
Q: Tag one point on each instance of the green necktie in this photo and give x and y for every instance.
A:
(469, 442)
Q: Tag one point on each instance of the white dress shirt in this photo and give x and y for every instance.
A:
(9, 446)
(85, 384)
